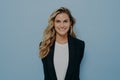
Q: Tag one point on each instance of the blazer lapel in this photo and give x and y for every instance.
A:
(71, 58)
(50, 67)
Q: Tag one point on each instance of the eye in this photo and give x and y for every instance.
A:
(57, 21)
(66, 21)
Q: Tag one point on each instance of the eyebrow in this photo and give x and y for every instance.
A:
(63, 20)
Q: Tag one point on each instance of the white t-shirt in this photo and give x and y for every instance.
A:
(61, 58)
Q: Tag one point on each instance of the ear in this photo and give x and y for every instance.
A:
(70, 23)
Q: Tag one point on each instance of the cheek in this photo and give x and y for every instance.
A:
(67, 25)
(56, 25)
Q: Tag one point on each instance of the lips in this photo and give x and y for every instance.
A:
(62, 29)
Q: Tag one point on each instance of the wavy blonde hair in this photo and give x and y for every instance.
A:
(49, 33)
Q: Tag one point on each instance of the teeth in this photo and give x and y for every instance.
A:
(62, 29)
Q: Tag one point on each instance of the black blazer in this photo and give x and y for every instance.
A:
(76, 51)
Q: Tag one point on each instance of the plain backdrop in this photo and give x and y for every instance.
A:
(21, 27)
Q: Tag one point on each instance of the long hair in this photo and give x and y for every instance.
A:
(49, 33)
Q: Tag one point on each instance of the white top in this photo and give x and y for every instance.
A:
(61, 58)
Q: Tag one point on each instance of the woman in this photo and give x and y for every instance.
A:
(61, 52)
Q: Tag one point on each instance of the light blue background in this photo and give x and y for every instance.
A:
(22, 23)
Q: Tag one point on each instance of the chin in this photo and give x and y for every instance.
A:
(62, 34)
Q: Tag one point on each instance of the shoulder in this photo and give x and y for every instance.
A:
(78, 46)
(77, 41)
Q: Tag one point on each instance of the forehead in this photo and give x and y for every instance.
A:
(62, 16)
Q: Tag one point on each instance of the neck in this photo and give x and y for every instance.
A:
(61, 39)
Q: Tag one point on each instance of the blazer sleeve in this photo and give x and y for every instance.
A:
(80, 49)
(83, 48)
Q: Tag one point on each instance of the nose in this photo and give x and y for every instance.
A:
(61, 24)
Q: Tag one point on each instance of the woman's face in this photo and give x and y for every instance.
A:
(62, 24)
